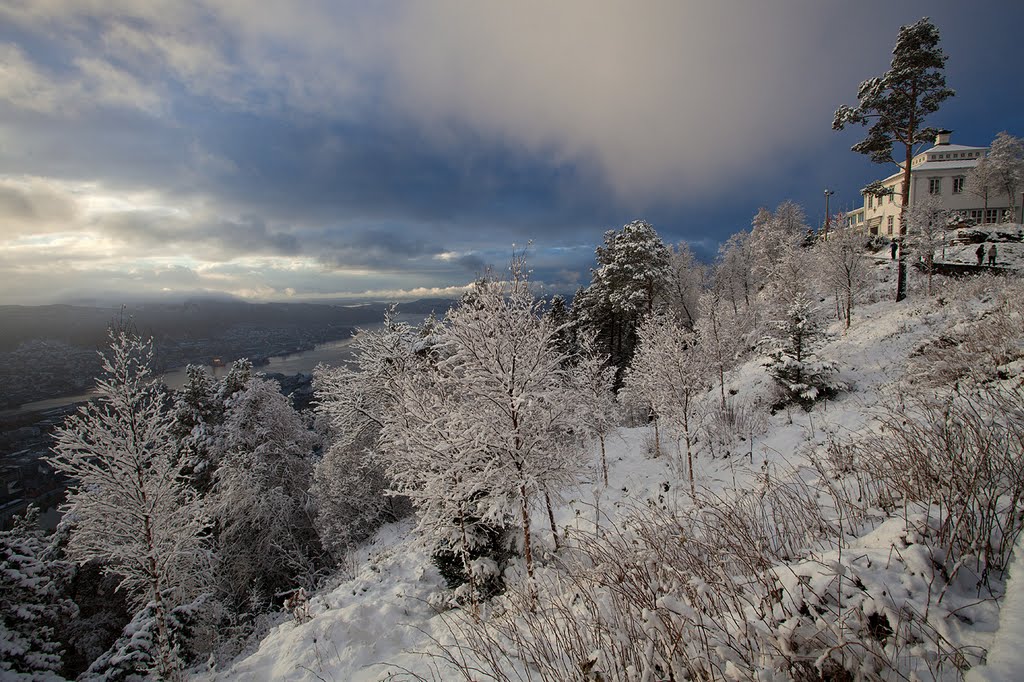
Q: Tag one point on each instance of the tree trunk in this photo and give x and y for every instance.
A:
(525, 510)
(721, 381)
(689, 449)
(657, 439)
(901, 265)
(849, 305)
(604, 460)
(551, 519)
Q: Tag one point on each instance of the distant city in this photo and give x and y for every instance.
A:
(49, 360)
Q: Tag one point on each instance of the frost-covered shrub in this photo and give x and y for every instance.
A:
(477, 574)
(802, 377)
(959, 457)
(731, 429)
(981, 347)
(751, 586)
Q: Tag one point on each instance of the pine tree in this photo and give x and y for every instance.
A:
(896, 105)
(632, 271)
(801, 376)
(126, 505)
(31, 605)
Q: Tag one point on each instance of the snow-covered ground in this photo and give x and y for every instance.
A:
(380, 624)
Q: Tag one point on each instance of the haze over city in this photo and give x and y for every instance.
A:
(393, 150)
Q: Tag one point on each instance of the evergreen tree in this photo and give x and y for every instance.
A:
(559, 318)
(31, 605)
(632, 271)
(801, 376)
(197, 415)
(895, 105)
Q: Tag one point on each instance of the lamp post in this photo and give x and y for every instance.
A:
(828, 193)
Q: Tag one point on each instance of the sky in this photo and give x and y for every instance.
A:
(326, 150)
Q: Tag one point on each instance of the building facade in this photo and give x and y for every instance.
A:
(940, 171)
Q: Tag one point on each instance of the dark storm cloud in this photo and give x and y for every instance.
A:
(424, 139)
(156, 233)
(32, 207)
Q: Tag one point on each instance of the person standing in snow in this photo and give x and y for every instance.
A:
(980, 253)
(892, 249)
(992, 255)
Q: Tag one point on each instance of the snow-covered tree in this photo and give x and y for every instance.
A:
(559, 318)
(632, 271)
(774, 238)
(723, 334)
(684, 284)
(480, 427)
(593, 379)
(260, 501)
(982, 182)
(927, 222)
(1006, 161)
(126, 505)
(31, 605)
(895, 106)
(800, 374)
(669, 372)
(734, 272)
(198, 412)
(844, 267)
(349, 482)
(132, 656)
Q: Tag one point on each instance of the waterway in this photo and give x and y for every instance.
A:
(303, 362)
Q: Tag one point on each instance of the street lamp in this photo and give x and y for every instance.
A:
(828, 193)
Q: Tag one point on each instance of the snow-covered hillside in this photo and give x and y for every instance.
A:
(871, 586)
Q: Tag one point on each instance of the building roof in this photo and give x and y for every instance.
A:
(929, 166)
(943, 165)
(951, 148)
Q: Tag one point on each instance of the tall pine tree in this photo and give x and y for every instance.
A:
(895, 105)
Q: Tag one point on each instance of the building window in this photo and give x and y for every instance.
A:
(958, 185)
(934, 185)
(871, 201)
(992, 215)
(892, 197)
(888, 227)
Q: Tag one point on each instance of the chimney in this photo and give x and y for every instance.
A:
(942, 137)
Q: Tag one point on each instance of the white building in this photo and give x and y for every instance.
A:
(940, 171)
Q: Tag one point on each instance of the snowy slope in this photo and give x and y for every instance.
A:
(379, 623)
